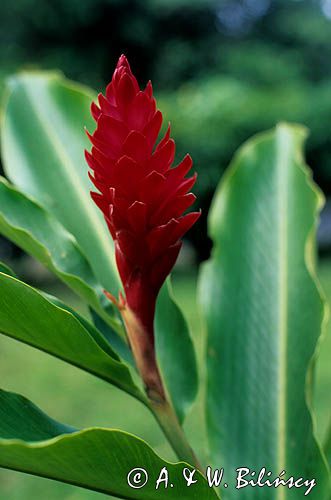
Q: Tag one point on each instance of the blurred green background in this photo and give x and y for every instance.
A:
(222, 70)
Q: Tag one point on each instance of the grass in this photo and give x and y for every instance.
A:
(78, 399)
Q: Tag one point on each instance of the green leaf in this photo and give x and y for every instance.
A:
(97, 459)
(175, 352)
(94, 332)
(21, 419)
(263, 314)
(38, 233)
(43, 143)
(29, 317)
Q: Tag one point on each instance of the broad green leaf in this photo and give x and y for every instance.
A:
(97, 459)
(43, 142)
(94, 332)
(21, 419)
(175, 352)
(37, 232)
(27, 316)
(263, 315)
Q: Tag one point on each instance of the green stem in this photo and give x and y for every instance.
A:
(173, 431)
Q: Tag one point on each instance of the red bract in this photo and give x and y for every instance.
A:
(141, 195)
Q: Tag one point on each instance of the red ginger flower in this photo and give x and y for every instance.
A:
(142, 196)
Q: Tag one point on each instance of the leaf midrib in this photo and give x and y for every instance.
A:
(282, 167)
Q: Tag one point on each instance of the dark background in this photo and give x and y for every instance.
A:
(222, 70)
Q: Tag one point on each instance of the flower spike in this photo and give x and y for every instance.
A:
(142, 195)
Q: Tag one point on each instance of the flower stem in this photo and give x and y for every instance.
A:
(168, 421)
(144, 354)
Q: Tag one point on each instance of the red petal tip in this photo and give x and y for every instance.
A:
(95, 111)
(149, 89)
(88, 133)
(122, 61)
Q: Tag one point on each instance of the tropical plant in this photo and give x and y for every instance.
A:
(259, 298)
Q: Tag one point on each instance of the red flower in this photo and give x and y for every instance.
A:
(142, 196)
